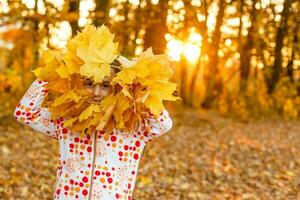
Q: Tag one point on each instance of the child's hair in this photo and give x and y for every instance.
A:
(116, 66)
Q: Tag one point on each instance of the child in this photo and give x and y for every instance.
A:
(96, 167)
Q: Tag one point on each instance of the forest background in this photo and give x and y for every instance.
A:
(236, 131)
(239, 57)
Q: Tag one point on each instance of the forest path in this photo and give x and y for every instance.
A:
(203, 157)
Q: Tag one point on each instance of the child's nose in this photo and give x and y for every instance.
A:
(97, 90)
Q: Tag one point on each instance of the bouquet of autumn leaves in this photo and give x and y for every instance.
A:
(139, 86)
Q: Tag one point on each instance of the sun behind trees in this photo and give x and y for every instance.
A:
(240, 57)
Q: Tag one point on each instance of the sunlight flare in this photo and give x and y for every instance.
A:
(192, 52)
(175, 49)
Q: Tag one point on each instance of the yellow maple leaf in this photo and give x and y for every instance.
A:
(107, 115)
(69, 122)
(59, 86)
(96, 119)
(72, 62)
(62, 71)
(76, 109)
(107, 101)
(121, 106)
(81, 38)
(57, 110)
(146, 81)
(97, 50)
(154, 103)
(160, 69)
(88, 112)
(96, 71)
(67, 97)
(51, 61)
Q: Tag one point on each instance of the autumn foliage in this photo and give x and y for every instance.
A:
(239, 57)
(140, 85)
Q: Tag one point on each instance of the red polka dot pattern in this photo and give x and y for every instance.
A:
(99, 166)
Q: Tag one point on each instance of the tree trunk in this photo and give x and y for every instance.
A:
(203, 31)
(102, 12)
(290, 71)
(245, 50)
(281, 32)
(193, 81)
(74, 8)
(155, 32)
(213, 78)
(126, 31)
(183, 79)
(35, 39)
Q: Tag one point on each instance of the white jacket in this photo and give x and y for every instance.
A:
(94, 167)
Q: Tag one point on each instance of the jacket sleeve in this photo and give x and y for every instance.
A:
(156, 126)
(29, 111)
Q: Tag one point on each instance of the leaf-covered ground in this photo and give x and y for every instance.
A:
(203, 157)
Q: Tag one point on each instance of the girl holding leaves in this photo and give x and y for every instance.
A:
(102, 108)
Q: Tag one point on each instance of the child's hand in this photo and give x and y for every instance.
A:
(156, 125)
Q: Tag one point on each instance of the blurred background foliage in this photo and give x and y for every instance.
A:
(239, 57)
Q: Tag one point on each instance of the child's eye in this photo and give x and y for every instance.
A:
(88, 82)
(144, 88)
(105, 84)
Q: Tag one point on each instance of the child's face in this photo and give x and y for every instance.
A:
(99, 90)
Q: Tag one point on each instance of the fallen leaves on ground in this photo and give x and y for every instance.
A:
(204, 157)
